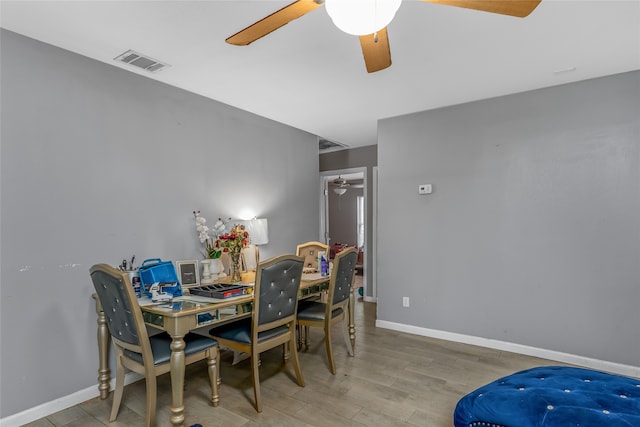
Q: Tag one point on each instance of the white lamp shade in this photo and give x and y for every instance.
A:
(258, 229)
(361, 17)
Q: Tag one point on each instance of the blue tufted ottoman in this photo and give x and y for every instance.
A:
(553, 396)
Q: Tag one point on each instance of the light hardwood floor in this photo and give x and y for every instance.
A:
(395, 379)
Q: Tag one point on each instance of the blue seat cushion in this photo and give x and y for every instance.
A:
(161, 347)
(553, 396)
(312, 310)
(240, 331)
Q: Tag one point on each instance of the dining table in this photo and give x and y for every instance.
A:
(188, 313)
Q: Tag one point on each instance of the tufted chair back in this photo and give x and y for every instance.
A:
(276, 289)
(117, 298)
(344, 266)
(309, 251)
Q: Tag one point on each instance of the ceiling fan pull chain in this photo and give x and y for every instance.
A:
(375, 37)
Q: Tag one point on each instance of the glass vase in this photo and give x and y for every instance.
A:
(235, 267)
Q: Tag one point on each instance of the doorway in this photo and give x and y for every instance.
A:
(344, 216)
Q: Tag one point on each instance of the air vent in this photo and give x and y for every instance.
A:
(141, 61)
(325, 144)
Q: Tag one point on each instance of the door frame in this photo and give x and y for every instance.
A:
(374, 236)
(325, 177)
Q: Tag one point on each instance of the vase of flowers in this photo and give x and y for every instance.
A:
(212, 267)
(232, 243)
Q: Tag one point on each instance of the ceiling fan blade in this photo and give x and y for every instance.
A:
(519, 8)
(273, 22)
(375, 48)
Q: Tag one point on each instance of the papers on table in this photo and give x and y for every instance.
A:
(309, 277)
(142, 301)
(198, 298)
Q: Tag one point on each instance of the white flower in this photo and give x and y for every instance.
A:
(209, 241)
(219, 227)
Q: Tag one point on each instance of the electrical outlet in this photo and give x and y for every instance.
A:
(405, 301)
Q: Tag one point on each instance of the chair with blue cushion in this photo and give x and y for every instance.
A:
(273, 317)
(325, 315)
(135, 349)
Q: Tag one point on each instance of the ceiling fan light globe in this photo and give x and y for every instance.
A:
(361, 17)
(339, 190)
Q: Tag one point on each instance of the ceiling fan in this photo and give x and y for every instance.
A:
(340, 186)
(368, 19)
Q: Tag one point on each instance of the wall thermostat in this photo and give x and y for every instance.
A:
(425, 189)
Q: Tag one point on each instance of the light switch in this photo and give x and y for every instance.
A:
(425, 189)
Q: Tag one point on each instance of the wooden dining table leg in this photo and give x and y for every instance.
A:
(352, 322)
(285, 351)
(177, 379)
(300, 333)
(104, 373)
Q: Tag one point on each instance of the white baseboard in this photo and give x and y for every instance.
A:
(48, 408)
(603, 365)
(369, 299)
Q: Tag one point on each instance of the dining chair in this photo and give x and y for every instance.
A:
(133, 347)
(309, 251)
(273, 318)
(250, 257)
(325, 315)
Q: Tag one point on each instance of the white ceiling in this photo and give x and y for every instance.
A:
(310, 75)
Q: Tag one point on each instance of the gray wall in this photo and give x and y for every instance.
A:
(98, 164)
(532, 234)
(350, 158)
